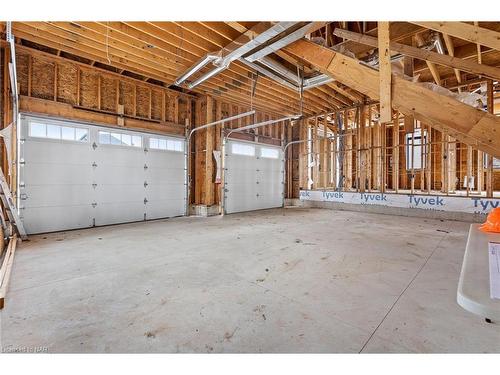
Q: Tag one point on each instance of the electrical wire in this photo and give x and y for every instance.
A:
(107, 43)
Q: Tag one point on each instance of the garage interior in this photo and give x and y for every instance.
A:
(248, 187)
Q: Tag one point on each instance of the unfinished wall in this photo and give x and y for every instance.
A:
(204, 189)
(372, 157)
(55, 86)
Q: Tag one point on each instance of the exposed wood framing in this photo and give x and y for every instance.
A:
(209, 159)
(378, 159)
(158, 50)
(409, 120)
(470, 125)
(428, 56)
(465, 31)
(489, 158)
(432, 68)
(385, 76)
(451, 51)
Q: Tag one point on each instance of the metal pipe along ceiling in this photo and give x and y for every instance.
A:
(258, 60)
(264, 123)
(221, 63)
(277, 45)
(286, 76)
(195, 67)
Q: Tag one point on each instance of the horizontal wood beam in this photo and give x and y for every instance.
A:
(469, 125)
(428, 56)
(465, 31)
(63, 110)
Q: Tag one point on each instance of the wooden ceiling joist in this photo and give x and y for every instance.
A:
(90, 50)
(236, 97)
(426, 55)
(161, 50)
(451, 51)
(471, 33)
(469, 125)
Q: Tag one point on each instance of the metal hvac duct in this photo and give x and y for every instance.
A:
(290, 38)
(259, 60)
(283, 75)
(438, 43)
(256, 42)
(221, 63)
(280, 69)
(320, 79)
(268, 73)
(195, 67)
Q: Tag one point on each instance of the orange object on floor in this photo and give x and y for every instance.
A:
(492, 223)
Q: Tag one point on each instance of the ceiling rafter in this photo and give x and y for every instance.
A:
(242, 73)
(125, 65)
(192, 27)
(132, 61)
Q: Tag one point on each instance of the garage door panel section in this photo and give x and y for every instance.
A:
(165, 178)
(156, 208)
(120, 156)
(165, 167)
(75, 175)
(54, 172)
(58, 195)
(119, 193)
(253, 176)
(58, 218)
(50, 152)
(118, 212)
(118, 175)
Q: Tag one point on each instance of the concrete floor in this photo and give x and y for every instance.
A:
(292, 280)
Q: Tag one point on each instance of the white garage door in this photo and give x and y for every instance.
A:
(253, 176)
(75, 175)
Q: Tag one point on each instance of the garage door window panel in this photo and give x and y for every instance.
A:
(242, 149)
(269, 153)
(166, 144)
(119, 139)
(58, 132)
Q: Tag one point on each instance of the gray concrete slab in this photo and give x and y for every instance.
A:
(284, 280)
